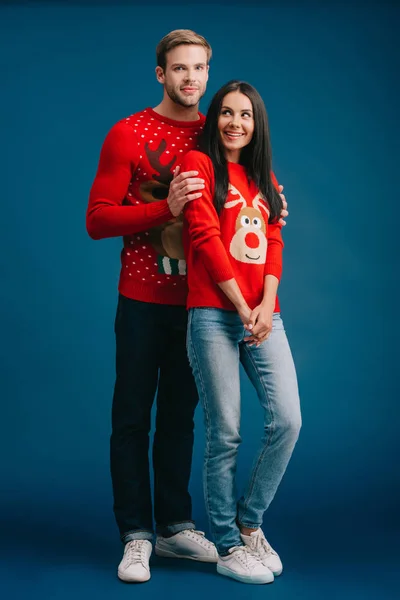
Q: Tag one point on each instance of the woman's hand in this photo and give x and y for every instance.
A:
(245, 312)
(261, 320)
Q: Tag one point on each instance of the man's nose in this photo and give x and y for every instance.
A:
(191, 75)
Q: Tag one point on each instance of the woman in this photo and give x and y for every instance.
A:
(233, 247)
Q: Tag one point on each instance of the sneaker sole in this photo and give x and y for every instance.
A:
(169, 554)
(125, 579)
(258, 580)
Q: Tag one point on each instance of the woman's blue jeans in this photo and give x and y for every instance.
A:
(216, 347)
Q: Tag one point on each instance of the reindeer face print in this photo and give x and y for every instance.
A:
(249, 243)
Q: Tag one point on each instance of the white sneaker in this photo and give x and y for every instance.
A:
(241, 564)
(188, 543)
(134, 565)
(258, 544)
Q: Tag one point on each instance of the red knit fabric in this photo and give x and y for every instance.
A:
(128, 198)
(237, 243)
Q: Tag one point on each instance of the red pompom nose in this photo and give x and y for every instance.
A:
(251, 240)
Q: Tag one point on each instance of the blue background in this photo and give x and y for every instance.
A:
(329, 77)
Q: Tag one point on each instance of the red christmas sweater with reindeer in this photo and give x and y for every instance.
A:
(238, 243)
(128, 198)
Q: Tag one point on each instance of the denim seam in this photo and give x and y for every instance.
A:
(264, 450)
(207, 419)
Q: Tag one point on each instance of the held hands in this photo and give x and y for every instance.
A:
(257, 321)
(259, 324)
(181, 190)
(284, 211)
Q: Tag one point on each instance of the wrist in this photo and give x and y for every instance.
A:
(241, 305)
(268, 304)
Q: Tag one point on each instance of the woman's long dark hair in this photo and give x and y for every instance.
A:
(256, 157)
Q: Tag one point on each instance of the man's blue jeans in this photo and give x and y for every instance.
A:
(216, 347)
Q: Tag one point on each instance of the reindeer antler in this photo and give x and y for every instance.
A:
(165, 175)
(239, 200)
(259, 203)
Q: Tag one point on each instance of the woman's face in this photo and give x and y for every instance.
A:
(235, 124)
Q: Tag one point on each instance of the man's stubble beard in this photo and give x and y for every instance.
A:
(181, 101)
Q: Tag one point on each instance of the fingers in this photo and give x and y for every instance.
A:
(185, 175)
(253, 340)
(190, 197)
(176, 172)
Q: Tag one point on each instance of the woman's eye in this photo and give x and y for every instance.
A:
(257, 222)
(245, 221)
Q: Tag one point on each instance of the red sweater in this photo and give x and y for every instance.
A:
(128, 198)
(239, 243)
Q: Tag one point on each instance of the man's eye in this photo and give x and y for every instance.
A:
(178, 68)
(200, 67)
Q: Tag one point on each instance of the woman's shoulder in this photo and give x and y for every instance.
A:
(195, 157)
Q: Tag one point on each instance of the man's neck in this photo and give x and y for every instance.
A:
(169, 109)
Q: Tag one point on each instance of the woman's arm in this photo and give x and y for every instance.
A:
(205, 234)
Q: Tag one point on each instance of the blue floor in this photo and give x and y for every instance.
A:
(43, 560)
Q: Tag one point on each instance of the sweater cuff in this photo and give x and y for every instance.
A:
(163, 210)
(272, 268)
(222, 274)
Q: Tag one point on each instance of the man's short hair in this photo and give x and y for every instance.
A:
(178, 37)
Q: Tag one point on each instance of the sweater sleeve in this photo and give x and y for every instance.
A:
(273, 264)
(106, 216)
(203, 221)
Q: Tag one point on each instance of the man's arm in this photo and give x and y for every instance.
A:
(106, 216)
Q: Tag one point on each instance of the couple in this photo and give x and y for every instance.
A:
(176, 185)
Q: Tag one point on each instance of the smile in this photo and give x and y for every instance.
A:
(252, 257)
(233, 136)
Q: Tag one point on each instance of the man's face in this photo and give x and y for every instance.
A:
(186, 74)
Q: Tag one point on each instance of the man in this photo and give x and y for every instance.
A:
(138, 193)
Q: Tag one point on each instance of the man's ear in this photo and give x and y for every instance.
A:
(208, 71)
(160, 75)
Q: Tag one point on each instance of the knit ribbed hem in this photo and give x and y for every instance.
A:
(197, 300)
(220, 275)
(157, 293)
(273, 269)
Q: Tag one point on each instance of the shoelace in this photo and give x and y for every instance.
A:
(135, 550)
(245, 556)
(261, 545)
(199, 536)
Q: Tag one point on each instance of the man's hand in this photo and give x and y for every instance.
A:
(284, 211)
(181, 190)
(261, 330)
